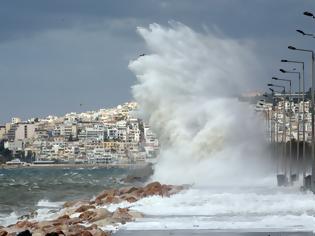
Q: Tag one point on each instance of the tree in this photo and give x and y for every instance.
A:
(5, 154)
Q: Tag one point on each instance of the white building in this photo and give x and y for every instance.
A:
(15, 120)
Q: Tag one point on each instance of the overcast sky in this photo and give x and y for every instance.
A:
(58, 54)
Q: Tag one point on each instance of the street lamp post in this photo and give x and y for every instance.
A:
(270, 125)
(298, 120)
(282, 179)
(277, 149)
(303, 111)
(273, 125)
(290, 126)
(312, 112)
(276, 126)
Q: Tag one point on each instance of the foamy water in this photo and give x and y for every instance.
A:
(261, 208)
(45, 210)
(255, 209)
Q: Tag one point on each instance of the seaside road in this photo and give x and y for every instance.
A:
(205, 232)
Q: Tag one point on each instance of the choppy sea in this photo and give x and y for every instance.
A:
(26, 190)
(236, 209)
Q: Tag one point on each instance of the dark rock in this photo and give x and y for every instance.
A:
(154, 188)
(75, 220)
(106, 193)
(3, 232)
(24, 224)
(123, 190)
(132, 189)
(99, 232)
(78, 230)
(64, 217)
(54, 234)
(85, 216)
(86, 233)
(122, 215)
(129, 198)
(24, 233)
(100, 214)
(84, 208)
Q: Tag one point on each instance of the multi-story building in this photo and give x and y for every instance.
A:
(25, 131)
(93, 133)
(105, 136)
(2, 132)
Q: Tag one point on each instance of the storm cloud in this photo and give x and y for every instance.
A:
(56, 55)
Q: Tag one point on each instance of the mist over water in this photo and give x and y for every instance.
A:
(187, 89)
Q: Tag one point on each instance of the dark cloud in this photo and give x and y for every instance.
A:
(57, 54)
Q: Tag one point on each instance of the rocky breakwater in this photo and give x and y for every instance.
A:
(91, 217)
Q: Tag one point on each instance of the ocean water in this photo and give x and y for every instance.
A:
(260, 208)
(25, 190)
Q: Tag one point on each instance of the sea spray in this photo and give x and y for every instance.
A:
(187, 87)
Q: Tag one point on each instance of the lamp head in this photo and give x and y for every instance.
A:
(282, 70)
(284, 60)
(301, 32)
(291, 48)
(306, 13)
(270, 84)
(275, 78)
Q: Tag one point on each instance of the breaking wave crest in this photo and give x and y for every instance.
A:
(186, 89)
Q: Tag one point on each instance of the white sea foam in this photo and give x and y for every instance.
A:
(49, 204)
(45, 210)
(6, 220)
(217, 209)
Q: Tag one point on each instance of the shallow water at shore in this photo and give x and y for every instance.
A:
(24, 190)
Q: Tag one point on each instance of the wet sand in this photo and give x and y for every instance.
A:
(205, 232)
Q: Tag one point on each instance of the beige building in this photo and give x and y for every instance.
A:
(2, 132)
(25, 131)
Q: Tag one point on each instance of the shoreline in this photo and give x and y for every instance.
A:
(72, 165)
(94, 216)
